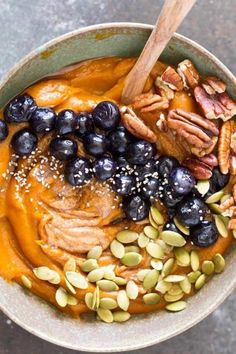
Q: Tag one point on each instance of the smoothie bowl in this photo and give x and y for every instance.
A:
(120, 217)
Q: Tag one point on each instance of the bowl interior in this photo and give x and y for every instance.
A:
(32, 313)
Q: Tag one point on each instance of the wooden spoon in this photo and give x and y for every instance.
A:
(171, 16)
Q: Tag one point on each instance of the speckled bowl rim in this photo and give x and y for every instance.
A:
(224, 293)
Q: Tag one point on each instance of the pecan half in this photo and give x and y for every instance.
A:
(201, 168)
(214, 106)
(164, 89)
(171, 78)
(188, 73)
(197, 130)
(213, 85)
(224, 146)
(150, 102)
(136, 126)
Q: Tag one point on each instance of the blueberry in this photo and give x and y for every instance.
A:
(191, 211)
(66, 122)
(123, 164)
(119, 140)
(19, 109)
(104, 168)
(205, 234)
(150, 188)
(24, 142)
(78, 171)
(165, 164)
(124, 185)
(96, 144)
(106, 115)
(84, 124)
(169, 198)
(135, 208)
(181, 180)
(218, 179)
(140, 152)
(43, 120)
(3, 130)
(145, 171)
(170, 226)
(63, 148)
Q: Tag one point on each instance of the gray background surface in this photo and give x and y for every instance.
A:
(26, 24)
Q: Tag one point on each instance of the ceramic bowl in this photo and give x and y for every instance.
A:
(30, 312)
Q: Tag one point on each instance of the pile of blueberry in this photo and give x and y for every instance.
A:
(129, 165)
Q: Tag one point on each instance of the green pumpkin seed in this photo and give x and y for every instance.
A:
(61, 297)
(105, 315)
(127, 236)
(194, 261)
(185, 230)
(141, 274)
(215, 208)
(123, 300)
(221, 227)
(143, 240)
(156, 264)
(95, 275)
(219, 263)
(155, 250)
(176, 306)
(77, 280)
(95, 252)
(200, 282)
(89, 300)
(208, 267)
(167, 267)
(43, 273)
(96, 298)
(26, 281)
(55, 278)
(182, 256)
(225, 197)
(173, 298)
(132, 249)
(150, 279)
(131, 259)
(203, 186)
(175, 290)
(70, 265)
(107, 303)
(109, 274)
(163, 287)
(132, 290)
(152, 222)
(185, 285)
(121, 316)
(151, 232)
(71, 300)
(193, 276)
(151, 299)
(89, 265)
(117, 249)
(70, 287)
(173, 238)
(157, 216)
(166, 248)
(234, 233)
(120, 281)
(174, 278)
(214, 198)
(107, 285)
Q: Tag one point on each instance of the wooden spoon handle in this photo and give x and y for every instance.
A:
(171, 16)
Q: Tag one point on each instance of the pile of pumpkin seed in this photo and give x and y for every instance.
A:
(159, 281)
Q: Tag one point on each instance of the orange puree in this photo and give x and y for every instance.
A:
(44, 221)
